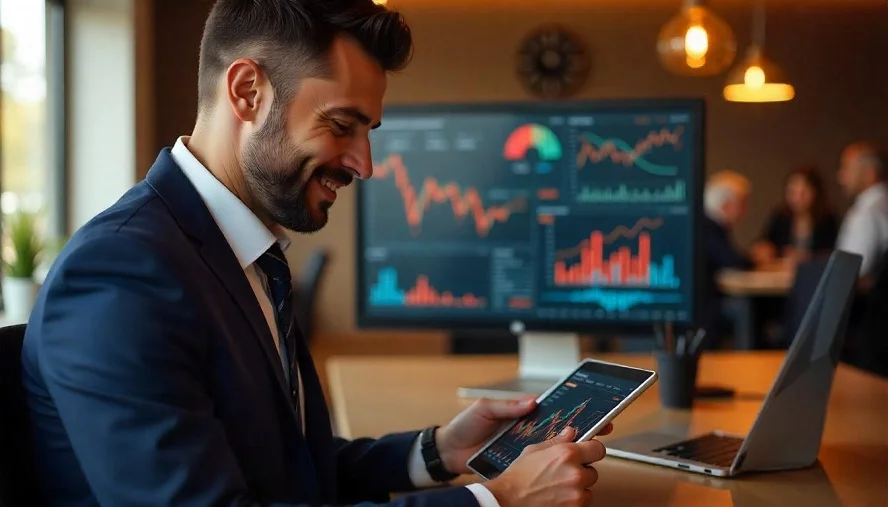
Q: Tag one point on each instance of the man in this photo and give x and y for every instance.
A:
(161, 360)
(865, 228)
(725, 202)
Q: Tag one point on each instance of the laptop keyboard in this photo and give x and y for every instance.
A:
(711, 449)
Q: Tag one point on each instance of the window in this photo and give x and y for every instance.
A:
(32, 130)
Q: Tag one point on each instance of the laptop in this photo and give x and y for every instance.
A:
(788, 429)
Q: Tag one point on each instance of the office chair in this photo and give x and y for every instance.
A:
(870, 342)
(18, 477)
(807, 277)
(307, 290)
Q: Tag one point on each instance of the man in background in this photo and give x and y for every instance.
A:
(162, 363)
(864, 231)
(725, 202)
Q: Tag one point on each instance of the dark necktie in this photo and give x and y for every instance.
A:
(277, 271)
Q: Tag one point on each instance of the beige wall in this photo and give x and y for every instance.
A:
(464, 52)
(101, 105)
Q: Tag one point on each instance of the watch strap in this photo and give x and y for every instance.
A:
(432, 458)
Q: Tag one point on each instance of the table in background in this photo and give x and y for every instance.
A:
(746, 288)
(373, 396)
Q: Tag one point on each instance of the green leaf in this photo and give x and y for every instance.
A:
(21, 254)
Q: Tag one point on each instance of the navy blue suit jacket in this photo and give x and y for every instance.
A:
(153, 379)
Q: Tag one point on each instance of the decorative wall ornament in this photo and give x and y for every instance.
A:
(552, 62)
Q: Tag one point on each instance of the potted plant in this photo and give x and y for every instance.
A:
(20, 260)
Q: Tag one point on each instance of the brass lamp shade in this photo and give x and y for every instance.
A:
(696, 42)
(757, 79)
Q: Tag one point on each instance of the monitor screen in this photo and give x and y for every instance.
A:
(547, 216)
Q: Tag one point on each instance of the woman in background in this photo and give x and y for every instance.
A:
(802, 227)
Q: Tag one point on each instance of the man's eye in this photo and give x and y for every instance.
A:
(340, 128)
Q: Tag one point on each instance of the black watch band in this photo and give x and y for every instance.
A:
(432, 459)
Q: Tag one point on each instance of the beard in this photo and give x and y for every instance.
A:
(277, 174)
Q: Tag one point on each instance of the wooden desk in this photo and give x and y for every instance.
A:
(756, 283)
(377, 395)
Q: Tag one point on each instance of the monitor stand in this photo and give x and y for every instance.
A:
(544, 358)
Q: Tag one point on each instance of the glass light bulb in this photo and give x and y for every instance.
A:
(696, 42)
(754, 77)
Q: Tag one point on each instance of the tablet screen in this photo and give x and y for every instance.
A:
(581, 401)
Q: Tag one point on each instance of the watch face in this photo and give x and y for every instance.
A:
(553, 62)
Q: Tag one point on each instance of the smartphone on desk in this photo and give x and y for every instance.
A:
(587, 399)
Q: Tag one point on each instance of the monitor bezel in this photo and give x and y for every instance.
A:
(696, 106)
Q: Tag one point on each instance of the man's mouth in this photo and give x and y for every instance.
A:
(331, 183)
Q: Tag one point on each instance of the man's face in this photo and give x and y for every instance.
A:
(851, 173)
(317, 143)
(735, 209)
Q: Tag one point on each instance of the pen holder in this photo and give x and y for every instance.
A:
(677, 379)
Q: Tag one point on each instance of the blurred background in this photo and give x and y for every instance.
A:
(92, 89)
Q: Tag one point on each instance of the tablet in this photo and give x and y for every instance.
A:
(586, 399)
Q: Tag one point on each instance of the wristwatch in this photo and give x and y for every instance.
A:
(432, 459)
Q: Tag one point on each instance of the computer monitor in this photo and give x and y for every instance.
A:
(547, 219)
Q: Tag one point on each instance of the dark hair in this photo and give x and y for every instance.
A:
(812, 176)
(291, 39)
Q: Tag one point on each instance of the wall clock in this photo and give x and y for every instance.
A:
(552, 62)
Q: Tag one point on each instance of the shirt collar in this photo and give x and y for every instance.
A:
(248, 237)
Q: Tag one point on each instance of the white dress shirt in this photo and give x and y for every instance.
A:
(249, 238)
(865, 227)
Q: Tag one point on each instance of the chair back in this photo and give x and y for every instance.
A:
(308, 288)
(807, 277)
(869, 330)
(18, 479)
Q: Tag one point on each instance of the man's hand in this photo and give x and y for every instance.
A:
(554, 473)
(471, 429)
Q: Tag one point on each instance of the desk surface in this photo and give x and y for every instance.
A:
(376, 395)
(756, 283)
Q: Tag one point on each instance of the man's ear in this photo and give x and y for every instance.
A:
(243, 87)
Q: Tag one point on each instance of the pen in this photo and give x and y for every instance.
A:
(698, 340)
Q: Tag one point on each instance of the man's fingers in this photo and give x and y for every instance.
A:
(591, 451)
(506, 409)
(566, 435)
(606, 430)
(590, 476)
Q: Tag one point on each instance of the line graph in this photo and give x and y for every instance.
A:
(465, 203)
(595, 148)
(621, 231)
(533, 431)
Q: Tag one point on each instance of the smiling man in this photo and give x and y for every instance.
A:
(162, 362)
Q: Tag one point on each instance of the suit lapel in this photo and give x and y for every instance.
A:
(319, 433)
(192, 215)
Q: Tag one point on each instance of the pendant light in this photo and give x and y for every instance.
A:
(696, 42)
(756, 78)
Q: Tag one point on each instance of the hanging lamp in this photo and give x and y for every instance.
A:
(696, 42)
(756, 78)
